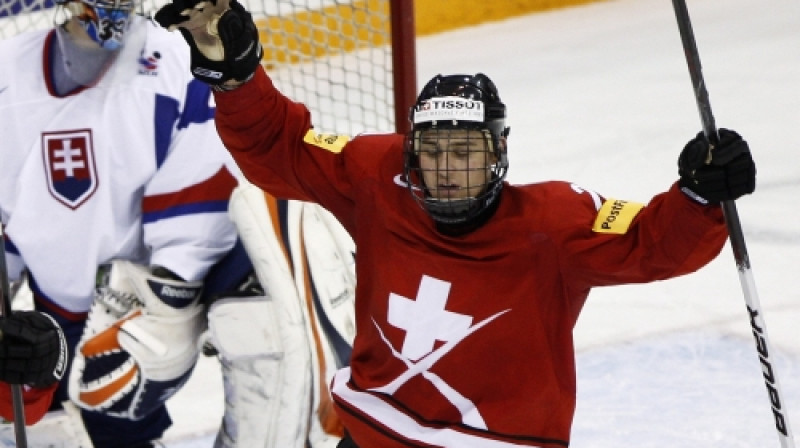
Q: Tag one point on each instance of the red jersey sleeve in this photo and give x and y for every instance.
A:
(37, 401)
(272, 140)
(669, 237)
(254, 119)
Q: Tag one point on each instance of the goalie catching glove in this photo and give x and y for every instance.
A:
(140, 342)
(33, 350)
(225, 50)
(711, 175)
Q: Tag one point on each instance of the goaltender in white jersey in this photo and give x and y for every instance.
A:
(78, 162)
(109, 156)
(111, 164)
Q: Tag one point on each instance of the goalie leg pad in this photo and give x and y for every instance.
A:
(266, 368)
(136, 350)
(329, 252)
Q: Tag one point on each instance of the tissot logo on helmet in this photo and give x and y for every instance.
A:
(449, 108)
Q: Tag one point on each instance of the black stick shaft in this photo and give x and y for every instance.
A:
(695, 71)
(16, 390)
(735, 232)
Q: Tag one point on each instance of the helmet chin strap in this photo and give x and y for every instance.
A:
(477, 220)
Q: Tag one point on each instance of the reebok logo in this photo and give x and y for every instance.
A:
(174, 296)
(177, 293)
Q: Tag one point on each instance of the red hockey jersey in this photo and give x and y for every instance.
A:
(461, 341)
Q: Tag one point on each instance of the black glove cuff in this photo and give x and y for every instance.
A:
(685, 187)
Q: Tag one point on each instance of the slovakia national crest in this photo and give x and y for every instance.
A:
(69, 162)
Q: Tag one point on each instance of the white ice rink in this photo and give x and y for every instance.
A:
(600, 95)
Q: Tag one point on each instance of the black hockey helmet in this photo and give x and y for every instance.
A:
(458, 102)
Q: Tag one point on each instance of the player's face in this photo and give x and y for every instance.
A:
(455, 163)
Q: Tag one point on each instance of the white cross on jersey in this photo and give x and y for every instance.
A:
(425, 320)
(66, 161)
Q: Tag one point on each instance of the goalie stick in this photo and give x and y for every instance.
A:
(735, 232)
(5, 310)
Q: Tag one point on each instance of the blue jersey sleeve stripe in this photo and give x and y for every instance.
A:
(166, 114)
(196, 108)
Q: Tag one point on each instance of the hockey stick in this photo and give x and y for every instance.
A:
(735, 232)
(5, 310)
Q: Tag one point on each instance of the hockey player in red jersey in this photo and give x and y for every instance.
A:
(468, 287)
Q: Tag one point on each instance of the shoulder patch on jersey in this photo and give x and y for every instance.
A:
(329, 142)
(615, 216)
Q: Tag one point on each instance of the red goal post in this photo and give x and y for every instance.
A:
(353, 62)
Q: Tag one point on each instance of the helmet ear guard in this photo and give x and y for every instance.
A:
(458, 102)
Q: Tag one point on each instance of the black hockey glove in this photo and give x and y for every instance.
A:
(33, 350)
(723, 173)
(222, 37)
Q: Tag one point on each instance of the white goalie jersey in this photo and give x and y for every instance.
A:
(131, 167)
(279, 351)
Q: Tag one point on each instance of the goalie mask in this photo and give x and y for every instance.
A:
(105, 21)
(456, 159)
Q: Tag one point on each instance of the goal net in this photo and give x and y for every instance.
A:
(336, 56)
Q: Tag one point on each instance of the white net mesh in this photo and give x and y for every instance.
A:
(332, 55)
